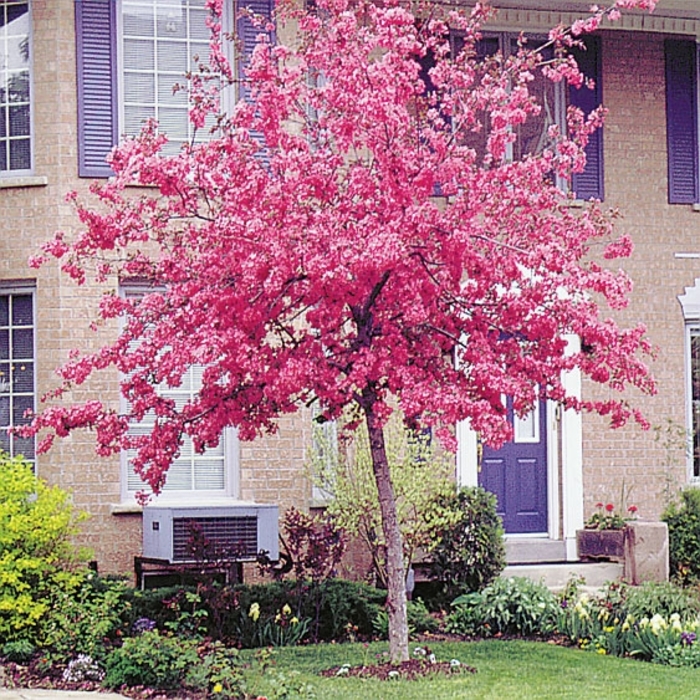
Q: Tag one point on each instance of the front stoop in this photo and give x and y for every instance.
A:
(556, 575)
(528, 550)
(542, 559)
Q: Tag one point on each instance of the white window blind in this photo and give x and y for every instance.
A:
(161, 41)
(211, 471)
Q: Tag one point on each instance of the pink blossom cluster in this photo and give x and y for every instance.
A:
(354, 236)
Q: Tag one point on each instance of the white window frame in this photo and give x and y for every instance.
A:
(505, 40)
(324, 438)
(231, 455)
(693, 460)
(690, 304)
(521, 425)
(227, 94)
(16, 289)
(21, 172)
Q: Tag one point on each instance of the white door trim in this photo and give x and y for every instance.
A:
(564, 445)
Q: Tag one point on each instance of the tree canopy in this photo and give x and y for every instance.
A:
(357, 235)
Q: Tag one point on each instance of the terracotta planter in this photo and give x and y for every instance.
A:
(606, 545)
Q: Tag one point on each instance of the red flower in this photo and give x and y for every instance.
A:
(598, 505)
(633, 509)
(610, 507)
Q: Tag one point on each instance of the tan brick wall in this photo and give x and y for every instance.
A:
(636, 184)
(272, 468)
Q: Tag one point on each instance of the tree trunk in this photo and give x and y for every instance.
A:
(396, 584)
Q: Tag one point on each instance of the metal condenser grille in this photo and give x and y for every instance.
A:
(215, 538)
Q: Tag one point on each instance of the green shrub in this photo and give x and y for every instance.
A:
(150, 659)
(87, 621)
(506, 606)
(469, 553)
(683, 521)
(218, 672)
(419, 618)
(663, 599)
(153, 604)
(38, 562)
(20, 651)
(336, 609)
(340, 609)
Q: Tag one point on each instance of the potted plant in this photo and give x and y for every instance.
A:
(603, 536)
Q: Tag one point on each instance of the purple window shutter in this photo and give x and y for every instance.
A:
(681, 120)
(96, 36)
(589, 183)
(247, 34)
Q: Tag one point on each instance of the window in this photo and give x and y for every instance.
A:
(130, 53)
(690, 304)
(213, 473)
(682, 120)
(693, 373)
(160, 41)
(16, 368)
(324, 457)
(532, 135)
(15, 79)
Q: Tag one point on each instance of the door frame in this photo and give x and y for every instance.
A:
(564, 464)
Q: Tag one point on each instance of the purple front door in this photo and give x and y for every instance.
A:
(517, 473)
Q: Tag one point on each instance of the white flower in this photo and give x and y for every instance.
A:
(657, 623)
(675, 621)
(454, 663)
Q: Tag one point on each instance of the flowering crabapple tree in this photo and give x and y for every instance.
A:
(356, 236)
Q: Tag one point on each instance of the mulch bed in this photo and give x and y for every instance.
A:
(34, 675)
(38, 675)
(410, 670)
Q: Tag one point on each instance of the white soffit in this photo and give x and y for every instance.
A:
(679, 17)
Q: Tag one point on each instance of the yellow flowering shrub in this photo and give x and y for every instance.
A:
(38, 562)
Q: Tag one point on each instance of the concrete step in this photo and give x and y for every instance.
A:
(556, 575)
(526, 550)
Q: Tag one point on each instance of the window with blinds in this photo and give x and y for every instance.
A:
(15, 79)
(161, 41)
(211, 472)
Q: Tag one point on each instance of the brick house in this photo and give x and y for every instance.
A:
(77, 73)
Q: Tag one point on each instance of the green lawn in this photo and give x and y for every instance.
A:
(513, 669)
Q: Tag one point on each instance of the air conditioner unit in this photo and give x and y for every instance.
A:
(231, 532)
